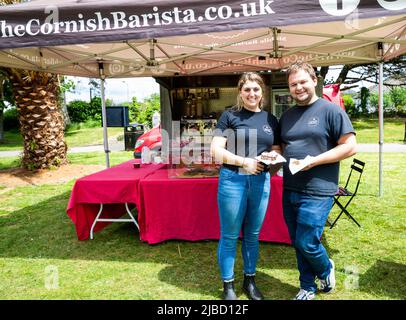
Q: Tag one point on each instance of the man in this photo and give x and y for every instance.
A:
(321, 131)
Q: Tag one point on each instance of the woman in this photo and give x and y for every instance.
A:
(242, 133)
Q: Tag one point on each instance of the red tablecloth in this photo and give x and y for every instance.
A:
(113, 187)
(187, 209)
(167, 208)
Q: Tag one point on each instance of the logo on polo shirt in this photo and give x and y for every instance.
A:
(267, 129)
(313, 122)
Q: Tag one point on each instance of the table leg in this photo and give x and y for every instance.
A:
(97, 219)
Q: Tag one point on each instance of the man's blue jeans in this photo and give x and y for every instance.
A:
(242, 201)
(305, 217)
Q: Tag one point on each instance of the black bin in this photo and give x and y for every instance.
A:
(131, 134)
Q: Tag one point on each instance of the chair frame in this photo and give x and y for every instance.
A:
(358, 166)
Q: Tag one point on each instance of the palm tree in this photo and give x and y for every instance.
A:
(41, 120)
(40, 116)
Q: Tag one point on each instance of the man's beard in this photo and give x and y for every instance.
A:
(304, 101)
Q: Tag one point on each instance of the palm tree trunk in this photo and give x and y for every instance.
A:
(41, 120)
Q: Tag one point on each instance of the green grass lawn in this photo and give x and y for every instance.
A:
(116, 157)
(368, 130)
(74, 137)
(12, 141)
(41, 258)
(9, 162)
(90, 136)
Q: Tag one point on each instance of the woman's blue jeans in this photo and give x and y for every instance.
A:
(242, 201)
(305, 217)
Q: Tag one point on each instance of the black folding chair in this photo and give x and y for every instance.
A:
(356, 171)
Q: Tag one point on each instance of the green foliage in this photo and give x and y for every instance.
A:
(134, 109)
(11, 119)
(95, 110)
(141, 112)
(364, 96)
(349, 104)
(77, 110)
(398, 97)
(6, 92)
(394, 103)
(109, 102)
(32, 146)
(31, 166)
(67, 85)
(387, 103)
(82, 111)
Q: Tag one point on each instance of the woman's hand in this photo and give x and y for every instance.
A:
(252, 166)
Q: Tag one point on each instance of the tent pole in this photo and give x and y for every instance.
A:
(380, 113)
(104, 118)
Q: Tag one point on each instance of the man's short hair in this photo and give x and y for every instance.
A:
(301, 65)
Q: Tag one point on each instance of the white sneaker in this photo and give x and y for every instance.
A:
(305, 295)
(327, 285)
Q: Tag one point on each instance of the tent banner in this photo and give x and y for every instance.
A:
(49, 23)
(209, 63)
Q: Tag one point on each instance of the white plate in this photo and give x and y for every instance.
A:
(295, 165)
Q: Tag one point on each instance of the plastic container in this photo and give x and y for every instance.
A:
(145, 155)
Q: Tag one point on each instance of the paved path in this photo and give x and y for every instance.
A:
(387, 147)
(119, 146)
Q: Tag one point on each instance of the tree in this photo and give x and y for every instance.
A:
(95, 87)
(6, 96)
(65, 86)
(142, 112)
(134, 109)
(394, 101)
(149, 106)
(40, 117)
(349, 104)
(398, 98)
(387, 103)
(351, 74)
(364, 97)
(82, 111)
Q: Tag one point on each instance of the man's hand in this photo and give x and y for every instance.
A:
(311, 164)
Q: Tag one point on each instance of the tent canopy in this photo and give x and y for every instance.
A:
(175, 38)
